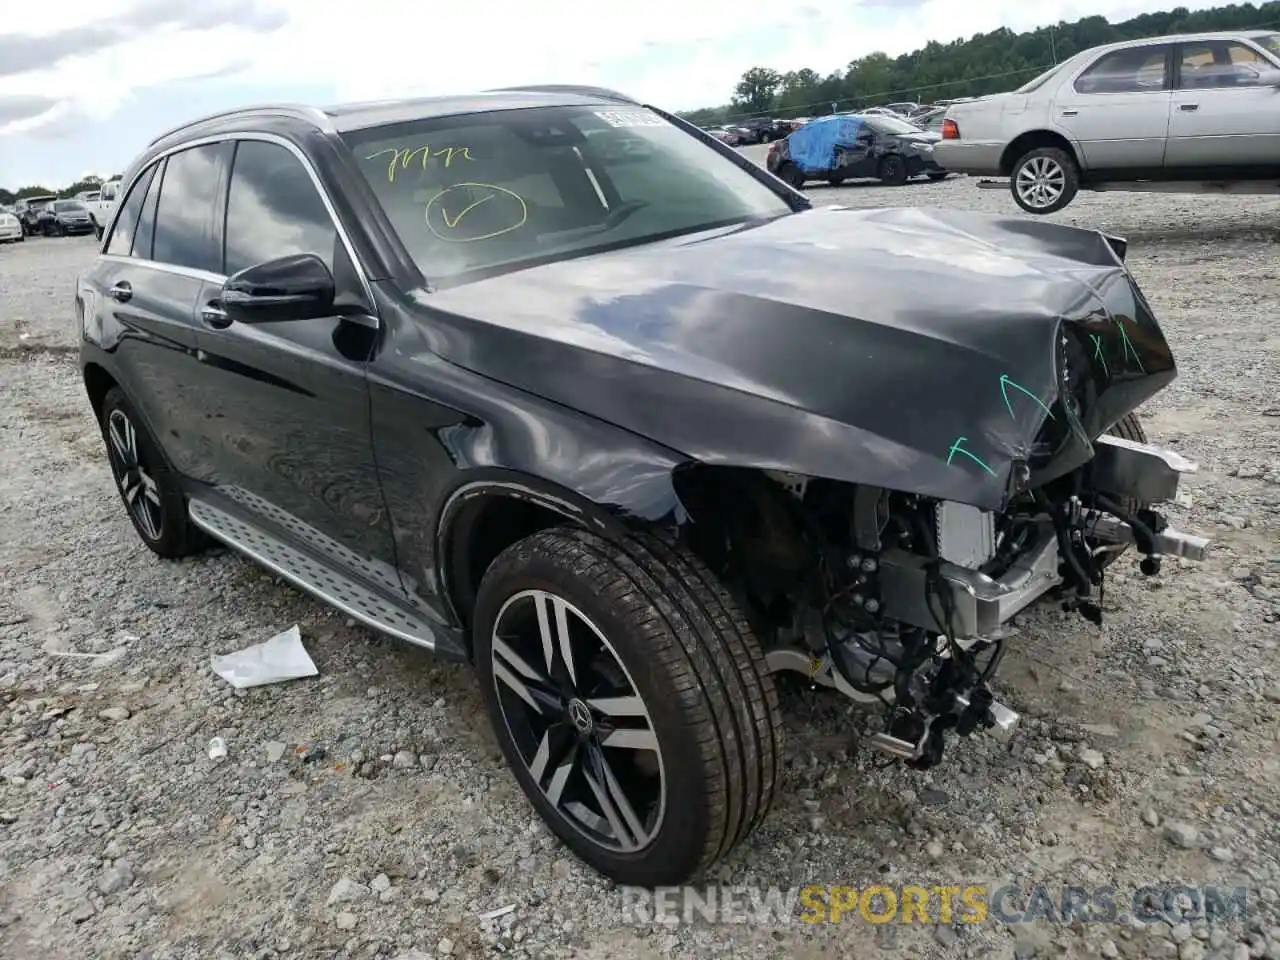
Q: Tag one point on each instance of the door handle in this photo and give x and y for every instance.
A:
(213, 315)
(1070, 113)
(122, 292)
(1188, 106)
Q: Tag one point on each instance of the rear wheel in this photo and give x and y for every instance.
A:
(893, 170)
(630, 698)
(150, 491)
(1044, 180)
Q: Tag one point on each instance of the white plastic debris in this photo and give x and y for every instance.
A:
(281, 658)
(217, 748)
(500, 912)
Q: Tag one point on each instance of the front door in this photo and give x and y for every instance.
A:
(287, 403)
(1223, 115)
(1117, 109)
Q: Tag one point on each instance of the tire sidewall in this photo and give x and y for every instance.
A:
(678, 845)
(1071, 179)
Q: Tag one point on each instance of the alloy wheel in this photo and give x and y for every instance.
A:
(1041, 181)
(141, 494)
(578, 721)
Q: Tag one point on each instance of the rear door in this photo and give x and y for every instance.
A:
(140, 308)
(1117, 108)
(1223, 116)
(287, 403)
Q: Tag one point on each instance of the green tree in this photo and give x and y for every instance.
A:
(983, 63)
(754, 92)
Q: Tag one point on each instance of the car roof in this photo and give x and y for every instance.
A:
(344, 117)
(1181, 38)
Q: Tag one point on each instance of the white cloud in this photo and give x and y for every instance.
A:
(387, 48)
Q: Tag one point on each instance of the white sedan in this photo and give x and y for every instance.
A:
(10, 228)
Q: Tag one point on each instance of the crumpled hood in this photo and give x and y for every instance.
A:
(920, 350)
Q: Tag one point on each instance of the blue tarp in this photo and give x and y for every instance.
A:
(813, 147)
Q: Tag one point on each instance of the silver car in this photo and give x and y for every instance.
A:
(1192, 107)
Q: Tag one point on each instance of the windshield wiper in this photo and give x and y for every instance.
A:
(615, 217)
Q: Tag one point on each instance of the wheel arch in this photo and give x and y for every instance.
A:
(97, 382)
(1031, 140)
(490, 509)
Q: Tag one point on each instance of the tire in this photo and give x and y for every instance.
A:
(835, 181)
(1044, 180)
(148, 487)
(792, 175)
(892, 170)
(692, 674)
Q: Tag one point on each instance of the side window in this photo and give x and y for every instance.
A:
(121, 240)
(1134, 70)
(274, 209)
(145, 234)
(185, 211)
(1220, 63)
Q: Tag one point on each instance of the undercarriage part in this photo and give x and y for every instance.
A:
(966, 534)
(900, 600)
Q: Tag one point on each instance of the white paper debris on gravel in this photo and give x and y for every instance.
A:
(281, 658)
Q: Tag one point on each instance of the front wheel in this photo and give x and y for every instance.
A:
(792, 174)
(631, 699)
(1044, 180)
(893, 170)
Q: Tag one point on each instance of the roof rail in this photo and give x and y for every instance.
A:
(296, 111)
(585, 91)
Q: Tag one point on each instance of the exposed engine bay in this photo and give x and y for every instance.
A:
(900, 600)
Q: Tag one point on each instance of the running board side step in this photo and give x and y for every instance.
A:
(369, 607)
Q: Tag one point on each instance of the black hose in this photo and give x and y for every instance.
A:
(1143, 535)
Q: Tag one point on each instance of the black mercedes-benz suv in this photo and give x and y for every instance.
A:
(552, 382)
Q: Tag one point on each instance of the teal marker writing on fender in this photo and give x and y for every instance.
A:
(1006, 382)
(1129, 348)
(958, 447)
(1097, 351)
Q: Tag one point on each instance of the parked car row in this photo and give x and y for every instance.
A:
(48, 216)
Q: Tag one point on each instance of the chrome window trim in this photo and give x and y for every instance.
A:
(1168, 69)
(232, 136)
(192, 272)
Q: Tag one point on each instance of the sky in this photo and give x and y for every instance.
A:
(86, 84)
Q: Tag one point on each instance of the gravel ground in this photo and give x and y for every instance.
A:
(366, 812)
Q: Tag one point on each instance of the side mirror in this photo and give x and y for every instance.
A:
(298, 287)
(1269, 78)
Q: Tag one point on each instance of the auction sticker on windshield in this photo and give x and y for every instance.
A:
(630, 118)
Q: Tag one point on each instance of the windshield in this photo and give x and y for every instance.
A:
(1040, 80)
(478, 193)
(67, 206)
(1269, 42)
(890, 125)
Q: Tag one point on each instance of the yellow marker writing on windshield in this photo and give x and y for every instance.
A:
(401, 157)
(509, 205)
